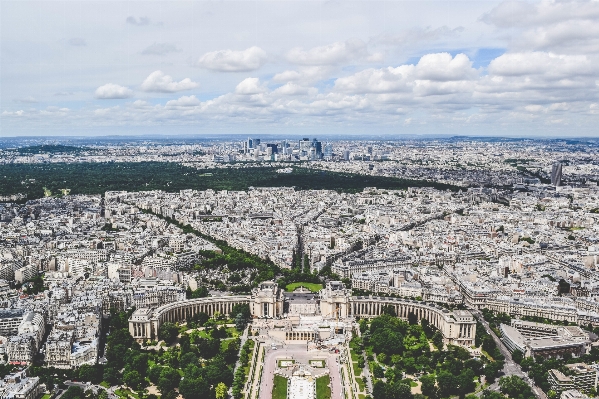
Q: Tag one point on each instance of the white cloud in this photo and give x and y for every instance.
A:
(106, 111)
(541, 63)
(157, 81)
(160, 49)
(54, 111)
(140, 104)
(184, 101)
(375, 57)
(535, 108)
(26, 100)
(293, 89)
(141, 21)
(442, 67)
(304, 75)
(250, 86)
(384, 80)
(13, 113)
(332, 54)
(234, 61)
(416, 35)
(434, 74)
(568, 26)
(113, 91)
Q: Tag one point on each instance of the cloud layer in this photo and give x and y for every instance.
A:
(112, 91)
(158, 82)
(233, 61)
(499, 66)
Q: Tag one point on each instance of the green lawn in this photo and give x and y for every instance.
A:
(323, 391)
(361, 383)
(310, 286)
(357, 370)
(279, 389)
(232, 331)
(125, 393)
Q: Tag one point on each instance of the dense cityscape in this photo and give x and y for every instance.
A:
(471, 272)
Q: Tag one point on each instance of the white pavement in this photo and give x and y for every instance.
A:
(299, 353)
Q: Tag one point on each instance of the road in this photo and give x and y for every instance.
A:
(510, 367)
(366, 372)
(242, 341)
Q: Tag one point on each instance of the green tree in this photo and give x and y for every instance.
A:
(390, 310)
(447, 383)
(200, 318)
(438, 340)
(169, 380)
(90, 373)
(220, 390)
(399, 391)
(154, 374)
(111, 376)
(200, 292)
(466, 382)
(187, 359)
(487, 394)
(429, 387)
(133, 379)
(194, 388)
(74, 392)
(491, 370)
(514, 387)
(168, 332)
(379, 390)
(517, 356)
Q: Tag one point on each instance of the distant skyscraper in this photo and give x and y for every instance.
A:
(257, 142)
(250, 143)
(304, 146)
(274, 148)
(556, 174)
(317, 145)
(328, 151)
(346, 155)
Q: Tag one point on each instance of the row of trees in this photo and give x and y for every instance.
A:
(403, 348)
(96, 178)
(200, 367)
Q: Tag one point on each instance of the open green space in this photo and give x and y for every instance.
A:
(96, 178)
(361, 384)
(310, 286)
(357, 370)
(323, 390)
(279, 388)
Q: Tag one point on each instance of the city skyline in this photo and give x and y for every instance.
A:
(248, 68)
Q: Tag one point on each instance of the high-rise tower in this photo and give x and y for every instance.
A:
(556, 174)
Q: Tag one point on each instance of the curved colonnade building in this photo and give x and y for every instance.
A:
(335, 302)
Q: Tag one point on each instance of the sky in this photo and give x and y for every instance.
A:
(392, 68)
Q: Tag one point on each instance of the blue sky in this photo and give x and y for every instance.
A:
(334, 67)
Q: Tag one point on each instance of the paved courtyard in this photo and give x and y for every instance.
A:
(301, 355)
